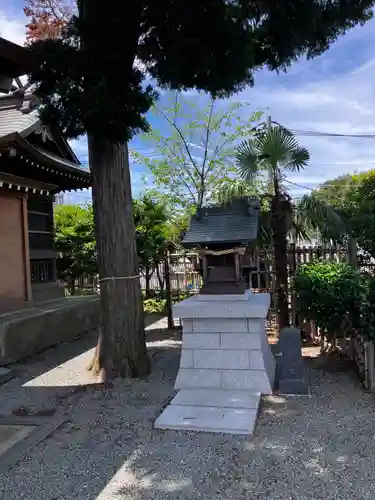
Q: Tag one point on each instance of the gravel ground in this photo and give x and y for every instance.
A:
(303, 448)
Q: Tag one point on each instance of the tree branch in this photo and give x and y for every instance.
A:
(182, 138)
(183, 165)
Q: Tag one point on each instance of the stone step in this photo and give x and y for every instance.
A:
(211, 411)
(217, 398)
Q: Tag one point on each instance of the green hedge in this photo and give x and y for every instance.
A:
(329, 294)
(158, 303)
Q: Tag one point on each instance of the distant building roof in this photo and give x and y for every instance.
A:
(235, 223)
(14, 60)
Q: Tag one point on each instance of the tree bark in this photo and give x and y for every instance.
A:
(168, 291)
(72, 286)
(122, 344)
(160, 278)
(147, 282)
(280, 233)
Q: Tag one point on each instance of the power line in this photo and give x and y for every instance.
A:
(299, 185)
(312, 133)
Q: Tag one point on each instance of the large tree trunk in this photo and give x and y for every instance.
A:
(279, 234)
(122, 348)
(72, 286)
(161, 279)
(148, 283)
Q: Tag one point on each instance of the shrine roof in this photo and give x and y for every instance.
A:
(14, 59)
(22, 130)
(235, 223)
(13, 119)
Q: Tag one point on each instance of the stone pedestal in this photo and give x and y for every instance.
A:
(226, 364)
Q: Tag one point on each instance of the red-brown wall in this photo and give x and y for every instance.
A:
(13, 264)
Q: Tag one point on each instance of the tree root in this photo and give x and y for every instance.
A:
(95, 364)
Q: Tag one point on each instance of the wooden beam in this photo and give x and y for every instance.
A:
(27, 184)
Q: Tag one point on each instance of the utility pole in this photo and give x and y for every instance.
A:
(269, 123)
(269, 128)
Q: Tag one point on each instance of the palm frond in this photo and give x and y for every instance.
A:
(298, 160)
(274, 150)
(233, 190)
(318, 215)
(248, 158)
(301, 231)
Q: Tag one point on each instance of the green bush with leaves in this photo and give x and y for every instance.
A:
(367, 316)
(329, 294)
(158, 303)
(155, 305)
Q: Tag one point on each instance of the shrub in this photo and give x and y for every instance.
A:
(154, 305)
(367, 319)
(330, 295)
(158, 304)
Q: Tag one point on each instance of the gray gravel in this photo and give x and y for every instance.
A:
(303, 448)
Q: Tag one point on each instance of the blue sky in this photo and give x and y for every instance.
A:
(334, 93)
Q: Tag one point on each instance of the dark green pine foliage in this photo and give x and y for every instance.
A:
(99, 86)
(99, 79)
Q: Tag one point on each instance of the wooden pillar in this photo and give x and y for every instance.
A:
(168, 291)
(26, 253)
(204, 267)
(237, 266)
(292, 273)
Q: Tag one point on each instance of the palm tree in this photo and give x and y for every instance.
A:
(269, 157)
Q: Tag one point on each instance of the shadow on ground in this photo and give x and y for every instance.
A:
(304, 448)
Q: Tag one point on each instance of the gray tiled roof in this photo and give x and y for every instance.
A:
(12, 119)
(18, 114)
(59, 159)
(225, 224)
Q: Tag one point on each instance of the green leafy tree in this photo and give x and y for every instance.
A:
(92, 80)
(75, 243)
(359, 209)
(329, 294)
(193, 151)
(271, 156)
(353, 197)
(178, 216)
(335, 192)
(151, 226)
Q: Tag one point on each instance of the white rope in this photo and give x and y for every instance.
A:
(113, 278)
(240, 250)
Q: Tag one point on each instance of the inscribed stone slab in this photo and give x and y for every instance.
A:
(291, 372)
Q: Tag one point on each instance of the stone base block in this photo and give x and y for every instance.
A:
(216, 398)
(25, 332)
(211, 411)
(247, 380)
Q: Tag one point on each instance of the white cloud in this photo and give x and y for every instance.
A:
(319, 95)
(338, 101)
(12, 28)
(79, 146)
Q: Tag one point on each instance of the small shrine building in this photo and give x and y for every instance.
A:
(221, 234)
(36, 163)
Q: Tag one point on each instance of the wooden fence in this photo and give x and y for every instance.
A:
(362, 352)
(257, 267)
(259, 271)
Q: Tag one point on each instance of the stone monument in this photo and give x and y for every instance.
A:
(291, 372)
(226, 362)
